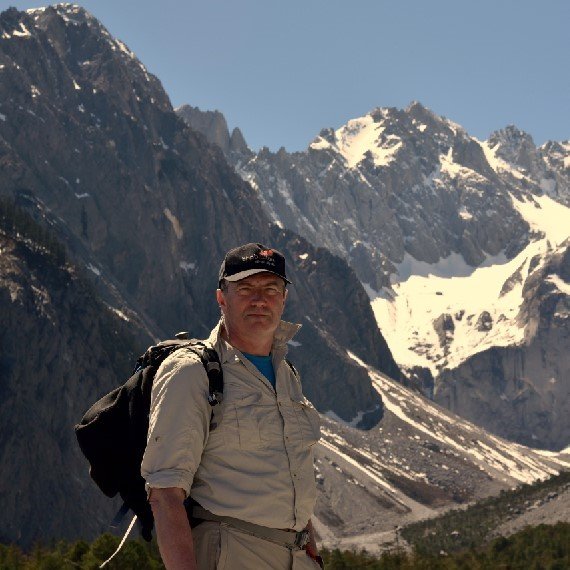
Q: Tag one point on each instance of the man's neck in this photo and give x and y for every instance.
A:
(257, 347)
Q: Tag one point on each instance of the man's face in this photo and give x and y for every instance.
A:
(253, 306)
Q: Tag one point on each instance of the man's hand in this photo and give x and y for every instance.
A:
(311, 548)
(173, 528)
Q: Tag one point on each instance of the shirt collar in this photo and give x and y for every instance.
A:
(283, 334)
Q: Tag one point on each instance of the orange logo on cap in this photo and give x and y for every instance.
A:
(266, 252)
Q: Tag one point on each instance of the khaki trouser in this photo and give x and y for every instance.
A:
(221, 547)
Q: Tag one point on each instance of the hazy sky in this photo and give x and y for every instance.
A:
(283, 70)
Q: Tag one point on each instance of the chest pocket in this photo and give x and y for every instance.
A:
(242, 422)
(309, 422)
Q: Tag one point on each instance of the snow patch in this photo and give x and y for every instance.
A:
(352, 423)
(120, 314)
(453, 169)
(464, 214)
(187, 265)
(546, 216)
(362, 136)
(92, 268)
(421, 293)
(560, 284)
(498, 164)
(320, 144)
(23, 32)
(122, 47)
(82, 196)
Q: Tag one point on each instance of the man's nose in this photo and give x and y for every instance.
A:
(257, 296)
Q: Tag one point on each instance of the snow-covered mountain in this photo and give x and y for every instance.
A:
(451, 236)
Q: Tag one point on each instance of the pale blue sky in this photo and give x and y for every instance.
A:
(283, 70)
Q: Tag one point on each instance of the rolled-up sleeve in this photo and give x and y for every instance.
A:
(178, 423)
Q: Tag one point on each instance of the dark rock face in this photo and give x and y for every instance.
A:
(90, 145)
(60, 347)
(138, 195)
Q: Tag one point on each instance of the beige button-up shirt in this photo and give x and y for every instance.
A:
(256, 464)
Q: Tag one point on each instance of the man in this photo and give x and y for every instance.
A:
(247, 463)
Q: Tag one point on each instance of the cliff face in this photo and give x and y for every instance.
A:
(60, 347)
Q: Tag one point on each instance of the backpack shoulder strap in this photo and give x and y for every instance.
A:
(211, 362)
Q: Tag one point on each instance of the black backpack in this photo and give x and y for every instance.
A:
(112, 434)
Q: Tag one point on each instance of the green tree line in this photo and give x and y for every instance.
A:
(544, 547)
(469, 528)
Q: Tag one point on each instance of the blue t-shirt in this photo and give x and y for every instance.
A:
(264, 365)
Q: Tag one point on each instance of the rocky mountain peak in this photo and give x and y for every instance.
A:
(237, 143)
(70, 11)
(326, 134)
(516, 147)
(210, 123)
(419, 112)
(213, 125)
(511, 136)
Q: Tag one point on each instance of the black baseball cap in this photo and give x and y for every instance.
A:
(249, 259)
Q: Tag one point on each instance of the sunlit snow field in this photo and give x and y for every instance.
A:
(421, 292)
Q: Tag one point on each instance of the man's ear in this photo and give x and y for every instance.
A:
(220, 298)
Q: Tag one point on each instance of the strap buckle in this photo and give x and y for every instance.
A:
(302, 539)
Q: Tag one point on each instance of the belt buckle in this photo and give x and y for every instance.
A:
(302, 539)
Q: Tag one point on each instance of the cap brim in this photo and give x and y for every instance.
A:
(248, 272)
